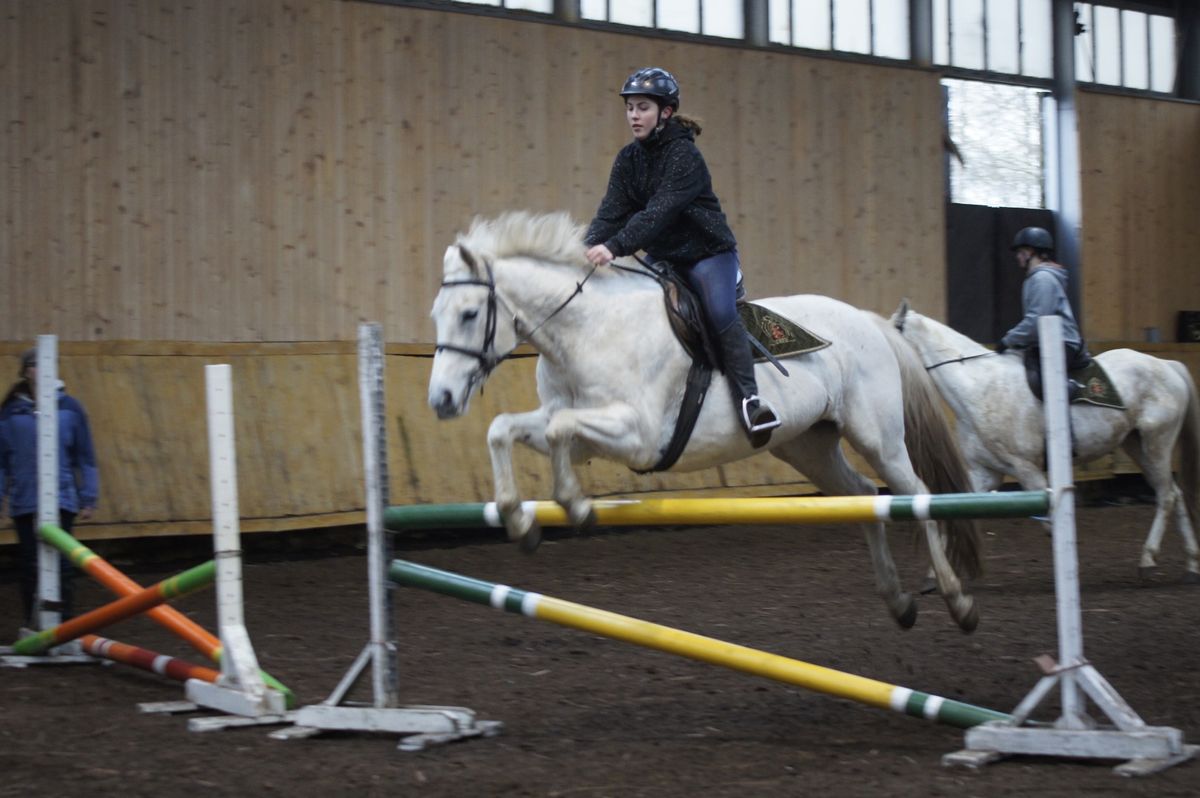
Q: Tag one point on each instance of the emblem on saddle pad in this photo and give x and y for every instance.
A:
(1098, 389)
(778, 335)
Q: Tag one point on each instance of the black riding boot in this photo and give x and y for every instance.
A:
(756, 414)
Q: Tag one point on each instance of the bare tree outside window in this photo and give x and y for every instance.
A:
(997, 129)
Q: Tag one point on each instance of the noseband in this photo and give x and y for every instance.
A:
(487, 357)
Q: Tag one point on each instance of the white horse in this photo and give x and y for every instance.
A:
(611, 375)
(1000, 427)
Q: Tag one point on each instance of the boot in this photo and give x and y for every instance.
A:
(757, 416)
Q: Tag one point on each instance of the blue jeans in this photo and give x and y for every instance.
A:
(715, 281)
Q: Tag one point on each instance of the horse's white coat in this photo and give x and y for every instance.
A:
(611, 375)
(1000, 422)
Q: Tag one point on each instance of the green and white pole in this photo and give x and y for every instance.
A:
(776, 510)
(694, 646)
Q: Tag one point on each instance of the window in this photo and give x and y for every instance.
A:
(708, 17)
(997, 128)
(1008, 36)
(870, 27)
(1122, 47)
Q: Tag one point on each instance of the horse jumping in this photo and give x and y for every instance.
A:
(610, 376)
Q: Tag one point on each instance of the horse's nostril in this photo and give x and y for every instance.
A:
(447, 400)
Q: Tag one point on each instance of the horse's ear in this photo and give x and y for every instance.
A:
(469, 259)
(900, 314)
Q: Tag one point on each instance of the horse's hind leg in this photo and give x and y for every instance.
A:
(818, 455)
(1153, 457)
(890, 461)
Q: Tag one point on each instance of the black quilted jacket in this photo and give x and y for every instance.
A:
(660, 199)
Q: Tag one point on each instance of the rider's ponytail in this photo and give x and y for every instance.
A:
(689, 122)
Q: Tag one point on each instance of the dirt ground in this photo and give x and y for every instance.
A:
(590, 717)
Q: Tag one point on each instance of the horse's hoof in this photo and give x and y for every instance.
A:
(929, 587)
(583, 521)
(1146, 574)
(908, 617)
(970, 619)
(1190, 578)
(532, 538)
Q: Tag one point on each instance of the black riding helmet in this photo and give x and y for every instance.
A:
(1034, 237)
(653, 82)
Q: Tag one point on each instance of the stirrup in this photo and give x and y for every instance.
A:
(759, 404)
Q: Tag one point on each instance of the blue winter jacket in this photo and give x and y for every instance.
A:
(78, 477)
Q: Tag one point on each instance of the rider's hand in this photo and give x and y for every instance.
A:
(599, 255)
(1000, 347)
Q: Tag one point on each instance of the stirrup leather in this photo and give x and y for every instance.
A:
(765, 426)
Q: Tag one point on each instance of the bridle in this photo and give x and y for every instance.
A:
(487, 355)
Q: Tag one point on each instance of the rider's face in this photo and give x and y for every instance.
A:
(1024, 254)
(641, 112)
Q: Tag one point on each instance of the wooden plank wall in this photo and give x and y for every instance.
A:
(279, 171)
(1141, 208)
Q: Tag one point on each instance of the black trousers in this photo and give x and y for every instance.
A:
(1077, 357)
(27, 541)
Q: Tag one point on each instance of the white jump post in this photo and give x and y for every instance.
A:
(47, 610)
(420, 725)
(240, 691)
(1145, 749)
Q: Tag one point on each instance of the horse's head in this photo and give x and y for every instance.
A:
(916, 328)
(465, 314)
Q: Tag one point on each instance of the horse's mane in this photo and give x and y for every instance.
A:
(949, 337)
(547, 236)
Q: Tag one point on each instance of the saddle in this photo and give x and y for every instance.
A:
(771, 337)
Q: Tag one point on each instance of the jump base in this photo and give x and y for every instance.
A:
(421, 726)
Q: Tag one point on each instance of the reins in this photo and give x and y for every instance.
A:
(959, 360)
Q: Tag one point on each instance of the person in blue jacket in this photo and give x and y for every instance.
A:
(78, 477)
(660, 199)
(1044, 293)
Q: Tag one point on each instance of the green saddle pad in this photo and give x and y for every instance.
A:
(778, 335)
(1098, 389)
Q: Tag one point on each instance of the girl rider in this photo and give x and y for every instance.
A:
(660, 199)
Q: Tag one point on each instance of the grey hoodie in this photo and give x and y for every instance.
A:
(1044, 293)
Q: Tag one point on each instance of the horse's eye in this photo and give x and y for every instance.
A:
(469, 315)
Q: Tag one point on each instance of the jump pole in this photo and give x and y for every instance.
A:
(241, 690)
(419, 725)
(181, 584)
(1147, 749)
(171, 619)
(693, 646)
(137, 657)
(741, 511)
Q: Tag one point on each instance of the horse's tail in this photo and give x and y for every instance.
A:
(1189, 444)
(934, 450)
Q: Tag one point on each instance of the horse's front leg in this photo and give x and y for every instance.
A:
(529, 429)
(575, 433)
